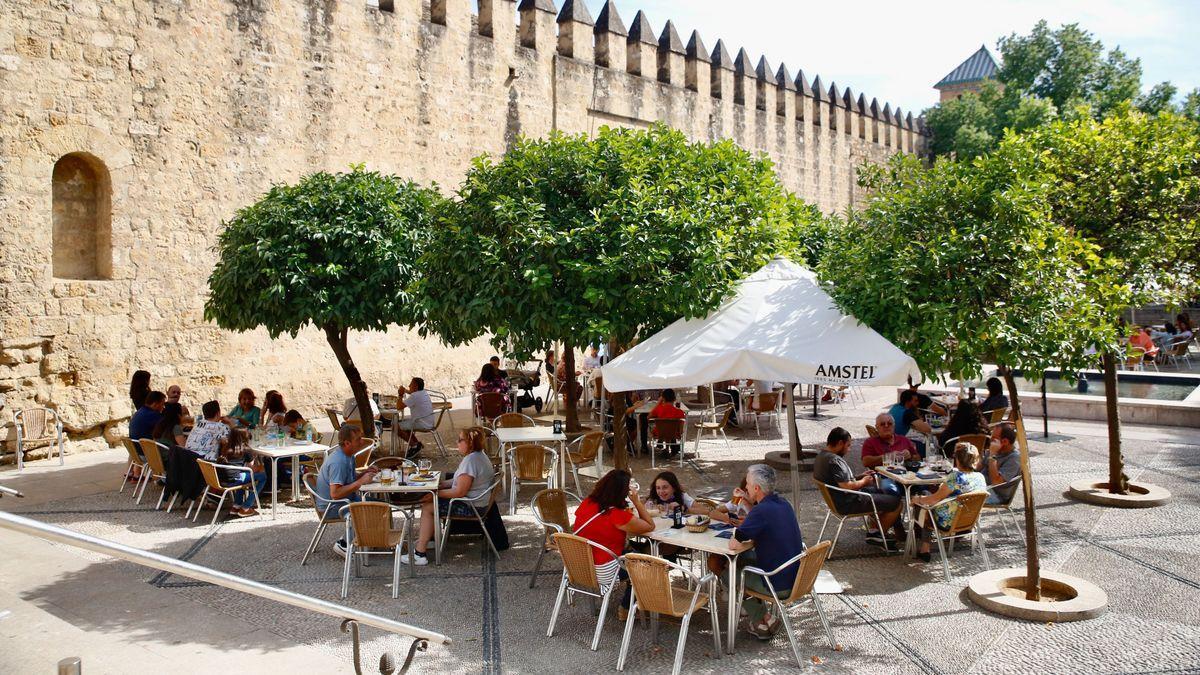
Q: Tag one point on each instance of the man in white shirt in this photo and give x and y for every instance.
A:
(210, 434)
(420, 415)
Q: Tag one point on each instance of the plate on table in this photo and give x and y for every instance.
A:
(421, 477)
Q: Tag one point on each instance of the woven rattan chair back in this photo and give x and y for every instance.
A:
(35, 423)
(872, 432)
(372, 521)
(211, 478)
(997, 416)
(393, 463)
(577, 561)
(827, 495)
(589, 447)
(766, 402)
(723, 413)
(980, 441)
(491, 404)
(335, 418)
(362, 458)
(704, 506)
(154, 458)
(131, 447)
(970, 504)
(651, 581)
(551, 507)
(529, 461)
(810, 566)
(667, 430)
(514, 420)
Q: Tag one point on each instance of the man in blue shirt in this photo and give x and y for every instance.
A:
(141, 425)
(771, 525)
(338, 479)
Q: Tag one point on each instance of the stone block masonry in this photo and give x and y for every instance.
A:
(179, 112)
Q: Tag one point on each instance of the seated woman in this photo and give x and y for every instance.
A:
(245, 415)
(604, 518)
(1141, 338)
(274, 409)
(967, 419)
(472, 479)
(169, 430)
(236, 453)
(490, 381)
(666, 494)
(996, 400)
(965, 478)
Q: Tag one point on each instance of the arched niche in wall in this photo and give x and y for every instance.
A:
(82, 218)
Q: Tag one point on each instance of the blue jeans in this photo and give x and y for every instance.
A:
(243, 498)
(993, 499)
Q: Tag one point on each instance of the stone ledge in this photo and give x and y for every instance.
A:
(780, 460)
(1081, 600)
(1141, 495)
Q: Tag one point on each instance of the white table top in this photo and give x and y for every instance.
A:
(910, 477)
(528, 435)
(645, 407)
(292, 448)
(706, 541)
(426, 486)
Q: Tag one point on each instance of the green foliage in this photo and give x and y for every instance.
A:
(1130, 184)
(973, 124)
(335, 250)
(959, 265)
(585, 240)
(806, 232)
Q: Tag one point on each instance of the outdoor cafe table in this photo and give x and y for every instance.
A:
(909, 479)
(512, 436)
(290, 448)
(707, 542)
(412, 487)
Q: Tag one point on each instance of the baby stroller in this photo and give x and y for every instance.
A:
(525, 381)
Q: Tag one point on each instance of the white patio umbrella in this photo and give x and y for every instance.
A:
(780, 326)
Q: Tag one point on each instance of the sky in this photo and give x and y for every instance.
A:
(896, 51)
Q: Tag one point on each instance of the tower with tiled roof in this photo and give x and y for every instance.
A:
(969, 75)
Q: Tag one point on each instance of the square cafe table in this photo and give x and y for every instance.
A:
(909, 479)
(430, 486)
(291, 448)
(508, 436)
(707, 542)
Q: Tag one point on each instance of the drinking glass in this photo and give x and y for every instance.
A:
(425, 465)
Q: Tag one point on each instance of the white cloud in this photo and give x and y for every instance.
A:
(896, 51)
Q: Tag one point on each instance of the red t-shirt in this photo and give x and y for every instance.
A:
(875, 447)
(604, 530)
(667, 411)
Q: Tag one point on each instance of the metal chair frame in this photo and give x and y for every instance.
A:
(832, 511)
(597, 460)
(353, 553)
(720, 419)
(549, 528)
(20, 423)
(818, 549)
(657, 443)
(548, 472)
(567, 589)
(152, 469)
(696, 583)
(975, 532)
(135, 459)
(211, 490)
(323, 516)
(475, 510)
(1003, 508)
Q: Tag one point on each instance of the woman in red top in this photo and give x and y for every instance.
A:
(605, 519)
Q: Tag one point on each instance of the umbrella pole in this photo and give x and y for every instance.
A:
(789, 397)
(815, 389)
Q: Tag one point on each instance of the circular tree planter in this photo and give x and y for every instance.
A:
(780, 460)
(1140, 495)
(1064, 597)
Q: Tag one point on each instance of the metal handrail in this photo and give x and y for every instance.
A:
(182, 568)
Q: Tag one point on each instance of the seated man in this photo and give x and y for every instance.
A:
(668, 410)
(338, 478)
(209, 436)
(908, 418)
(1002, 463)
(830, 468)
(875, 449)
(771, 525)
(142, 424)
(420, 414)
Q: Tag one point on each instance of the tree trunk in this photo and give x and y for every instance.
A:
(337, 341)
(572, 400)
(1033, 565)
(1118, 482)
(620, 435)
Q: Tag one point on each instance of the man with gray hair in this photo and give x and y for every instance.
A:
(337, 478)
(771, 525)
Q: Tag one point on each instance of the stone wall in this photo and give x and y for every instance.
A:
(194, 107)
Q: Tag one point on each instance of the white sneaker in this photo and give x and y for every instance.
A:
(339, 548)
(414, 559)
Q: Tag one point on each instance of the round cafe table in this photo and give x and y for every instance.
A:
(289, 448)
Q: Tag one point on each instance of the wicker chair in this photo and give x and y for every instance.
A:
(810, 563)
(589, 450)
(980, 441)
(440, 409)
(372, 534)
(330, 514)
(720, 419)
(213, 487)
(964, 524)
(335, 417)
(579, 576)
(154, 468)
(550, 511)
(665, 432)
(653, 592)
(529, 466)
(872, 432)
(488, 406)
(362, 458)
(135, 459)
(38, 426)
(996, 416)
(834, 512)
(513, 420)
(1005, 507)
(476, 514)
(1176, 351)
(764, 405)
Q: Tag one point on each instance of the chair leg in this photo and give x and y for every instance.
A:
(978, 537)
(600, 620)
(487, 535)
(171, 501)
(537, 567)
(942, 550)
(217, 511)
(824, 620)
(575, 471)
(823, 524)
(627, 634)
(716, 620)
(836, 535)
(787, 628)
(199, 505)
(396, 572)
(562, 590)
(681, 643)
(124, 478)
(312, 544)
(346, 569)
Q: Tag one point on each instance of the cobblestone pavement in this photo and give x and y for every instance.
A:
(894, 616)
